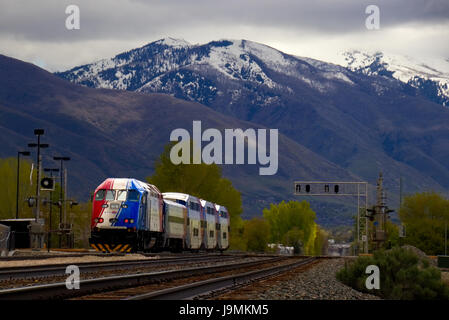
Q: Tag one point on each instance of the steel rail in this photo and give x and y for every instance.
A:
(193, 290)
(68, 255)
(60, 291)
(52, 270)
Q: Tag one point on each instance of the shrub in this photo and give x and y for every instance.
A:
(403, 276)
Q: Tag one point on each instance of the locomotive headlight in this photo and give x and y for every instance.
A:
(105, 205)
(126, 221)
(131, 221)
(124, 205)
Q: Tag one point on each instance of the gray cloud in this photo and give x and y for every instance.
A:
(109, 26)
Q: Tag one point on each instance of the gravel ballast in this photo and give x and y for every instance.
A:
(316, 282)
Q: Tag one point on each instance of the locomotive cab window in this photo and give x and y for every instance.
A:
(133, 195)
(121, 195)
(100, 195)
(110, 195)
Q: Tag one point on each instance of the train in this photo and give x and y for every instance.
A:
(129, 215)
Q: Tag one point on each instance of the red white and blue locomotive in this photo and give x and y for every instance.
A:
(129, 215)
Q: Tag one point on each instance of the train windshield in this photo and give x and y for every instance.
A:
(100, 195)
(133, 195)
(110, 195)
(121, 195)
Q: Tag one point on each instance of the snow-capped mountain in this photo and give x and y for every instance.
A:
(429, 76)
(364, 121)
(204, 72)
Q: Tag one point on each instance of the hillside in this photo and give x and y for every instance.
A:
(119, 133)
(363, 122)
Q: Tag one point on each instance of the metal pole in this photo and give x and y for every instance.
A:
(445, 240)
(61, 179)
(65, 196)
(38, 176)
(51, 211)
(60, 199)
(366, 220)
(358, 217)
(17, 192)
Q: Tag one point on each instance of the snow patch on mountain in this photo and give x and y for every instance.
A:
(175, 43)
(233, 61)
(431, 74)
(202, 72)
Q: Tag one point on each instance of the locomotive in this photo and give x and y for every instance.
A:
(129, 215)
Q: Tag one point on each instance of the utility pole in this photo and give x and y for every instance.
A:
(62, 195)
(51, 170)
(36, 230)
(23, 153)
(379, 215)
(39, 145)
(445, 239)
(65, 197)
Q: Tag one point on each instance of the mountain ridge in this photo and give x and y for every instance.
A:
(363, 123)
(119, 133)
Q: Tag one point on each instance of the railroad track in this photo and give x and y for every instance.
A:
(67, 255)
(55, 270)
(105, 284)
(210, 287)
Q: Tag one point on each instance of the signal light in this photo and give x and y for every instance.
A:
(126, 220)
(47, 184)
(101, 220)
(31, 202)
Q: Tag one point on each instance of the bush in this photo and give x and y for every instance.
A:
(403, 276)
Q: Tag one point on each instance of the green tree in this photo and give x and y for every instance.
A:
(256, 234)
(320, 245)
(27, 188)
(425, 216)
(292, 223)
(392, 234)
(80, 217)
(203, 181)
(294, 238)
(403, 276)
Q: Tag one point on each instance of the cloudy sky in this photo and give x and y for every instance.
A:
(35, 31)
